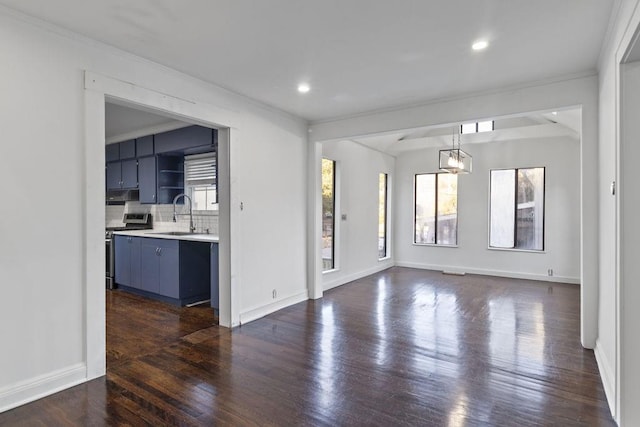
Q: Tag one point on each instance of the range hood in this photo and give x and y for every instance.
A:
(119, 197)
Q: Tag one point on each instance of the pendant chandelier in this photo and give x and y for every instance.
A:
(455, 160)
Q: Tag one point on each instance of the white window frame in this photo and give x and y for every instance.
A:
(188, 188)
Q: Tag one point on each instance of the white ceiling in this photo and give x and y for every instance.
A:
(357, 55)
(565, 123)
(123, 122)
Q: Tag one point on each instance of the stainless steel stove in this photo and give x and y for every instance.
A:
(132, 221)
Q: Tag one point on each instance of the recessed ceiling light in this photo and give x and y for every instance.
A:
(303, 88)
(479, 45)
(555, 113)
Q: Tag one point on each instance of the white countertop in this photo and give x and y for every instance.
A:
(154, 234)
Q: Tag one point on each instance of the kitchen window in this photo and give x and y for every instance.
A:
(516, 210)
(200, 181)
(436, 209)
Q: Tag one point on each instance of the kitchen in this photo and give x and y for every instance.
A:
(161, 214)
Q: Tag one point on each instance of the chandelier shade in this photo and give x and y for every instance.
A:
(454, 160)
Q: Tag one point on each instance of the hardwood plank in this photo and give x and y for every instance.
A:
(401, 347)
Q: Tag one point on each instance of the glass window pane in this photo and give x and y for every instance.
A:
(485, 126)
(328, 213)
(199, 196)
(425, 214)
(530, 209)
(382, 215)
(468, 128)
(502, 215)
(447, 209)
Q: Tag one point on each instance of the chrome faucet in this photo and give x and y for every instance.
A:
(192, 228)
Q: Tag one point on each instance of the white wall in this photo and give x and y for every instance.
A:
(358, 171)
(43, 257)
(560, 156)
(608, 354)
(538, 96)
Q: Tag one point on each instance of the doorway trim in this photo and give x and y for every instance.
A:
(626, 293)
(98, 89)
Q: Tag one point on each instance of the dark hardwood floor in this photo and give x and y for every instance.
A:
(401, 347)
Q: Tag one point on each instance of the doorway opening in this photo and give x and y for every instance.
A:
(100, 90)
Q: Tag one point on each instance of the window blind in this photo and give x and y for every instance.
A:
(200, 170)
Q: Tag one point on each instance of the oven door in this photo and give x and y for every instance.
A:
(110, 270)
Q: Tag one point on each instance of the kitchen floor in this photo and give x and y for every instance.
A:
(400, 347)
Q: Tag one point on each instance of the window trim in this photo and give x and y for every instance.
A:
(334, 241)
(477, 127)
(387, 251)
(515, 230)
(415, 206)
(188, 188)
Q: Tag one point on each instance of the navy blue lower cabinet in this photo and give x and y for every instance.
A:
(169, 270)
(122, 260)
(215, 285)
(150, 272)
(127, 261)
(195, 281)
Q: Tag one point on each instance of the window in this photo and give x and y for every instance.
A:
(517, 209)
(486, 126)
(328, 214)
(436, 209)
(200, 181)
(382, 215)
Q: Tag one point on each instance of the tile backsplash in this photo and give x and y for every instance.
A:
(163, 217)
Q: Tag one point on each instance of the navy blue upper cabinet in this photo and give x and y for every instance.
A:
(183, 139)
(114, 176)
(122, 174)
(130, 173)
(144, 146)
(112, 152)
(147, 179)
(128, 149)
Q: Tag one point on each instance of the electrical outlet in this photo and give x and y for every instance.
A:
(550, 272)
(275, 293)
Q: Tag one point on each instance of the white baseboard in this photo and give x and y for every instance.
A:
(18, 394)
(608, 379)
(358, 275)
(485, 272)
(261, 311)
